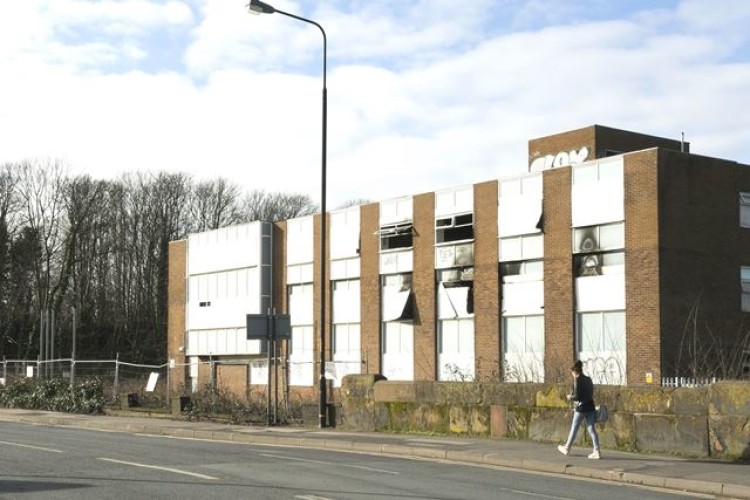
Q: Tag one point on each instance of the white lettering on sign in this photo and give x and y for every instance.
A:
(561, 159)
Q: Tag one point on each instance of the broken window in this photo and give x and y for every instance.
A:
(397, 297)
(396, 236)
(454, 228)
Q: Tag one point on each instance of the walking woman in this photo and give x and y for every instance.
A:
(584, 409)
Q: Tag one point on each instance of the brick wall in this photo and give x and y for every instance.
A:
(702, 249)
(425, 345)
(566, 141)
(232, 379)
(600, 141)
(641, 196)
(176, 300)
(559, 331)
(370, 287)
(486, 282)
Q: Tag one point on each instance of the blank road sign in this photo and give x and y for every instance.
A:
(257, 326)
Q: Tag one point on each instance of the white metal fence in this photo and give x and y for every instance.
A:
(687, 381)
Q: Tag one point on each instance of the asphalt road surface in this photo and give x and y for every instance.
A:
(39, 462)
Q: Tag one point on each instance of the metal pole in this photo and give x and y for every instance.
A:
(46, 343)
(73, 350)
(263, 8)
(52, 342)
(269, 343)
(41, 344)
(117, 377)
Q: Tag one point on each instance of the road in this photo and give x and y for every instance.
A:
(38, 462)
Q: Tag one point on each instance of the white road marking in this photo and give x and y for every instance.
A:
(40, 448)
(311, 497)
(283, 457)
(156, 467)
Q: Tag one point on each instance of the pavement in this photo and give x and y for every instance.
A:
(714, 478)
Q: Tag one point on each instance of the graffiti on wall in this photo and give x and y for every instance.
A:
(561, 159)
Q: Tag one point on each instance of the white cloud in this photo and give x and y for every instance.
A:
(416, 102)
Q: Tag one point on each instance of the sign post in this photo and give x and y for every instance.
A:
(270, 327)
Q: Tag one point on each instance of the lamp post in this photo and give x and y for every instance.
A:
(258, 7)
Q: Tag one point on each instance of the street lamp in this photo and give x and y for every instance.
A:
(258, 7)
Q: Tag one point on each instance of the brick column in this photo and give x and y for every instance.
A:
(559, 326)
(369, 251)
(176, 298)
(425, 334)
(486, 282)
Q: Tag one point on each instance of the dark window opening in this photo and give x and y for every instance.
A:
(398, 236)
(454, 228)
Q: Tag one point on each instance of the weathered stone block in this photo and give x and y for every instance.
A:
(549, 425)
(518, 419)
(729, 436)
(457, 393)
(395, 392)
(358, 408)
(618, 432)
(552, 396)
(691, 436)
(469, 419)
(691, 401)
(730, 398)
(500, 394)
(655, 433)
(646, 400)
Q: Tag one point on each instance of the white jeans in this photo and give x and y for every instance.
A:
(578, 418)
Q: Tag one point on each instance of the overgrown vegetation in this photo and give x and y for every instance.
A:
(55, 394)
(704, 353)
(208, 404)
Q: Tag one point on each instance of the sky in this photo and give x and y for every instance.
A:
(422, 95)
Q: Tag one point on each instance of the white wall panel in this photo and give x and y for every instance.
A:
(518, 215)
(301, 306)
(219, 342)
(345, 269)
(227, 248)
(597, 195)
(347, 354)
(344, 233)
(396, 210)
(346, 306)
(299, 240)
(456, 356)
(454, 201)
(398, 352)
(523, 298)
(301, 359)
(600, 293)
(302, 273)
(397, 262)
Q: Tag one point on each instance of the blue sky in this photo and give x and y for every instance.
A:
(422, 95)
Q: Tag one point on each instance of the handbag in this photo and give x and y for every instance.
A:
(602, 414)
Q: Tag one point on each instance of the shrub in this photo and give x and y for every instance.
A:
(55, 394)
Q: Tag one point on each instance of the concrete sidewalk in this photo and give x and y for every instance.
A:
(712, 477)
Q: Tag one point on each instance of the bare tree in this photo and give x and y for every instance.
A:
(259, 205)
(41, 187)
(215, 204)
(355, 202)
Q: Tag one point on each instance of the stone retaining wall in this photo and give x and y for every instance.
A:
(712, 421)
